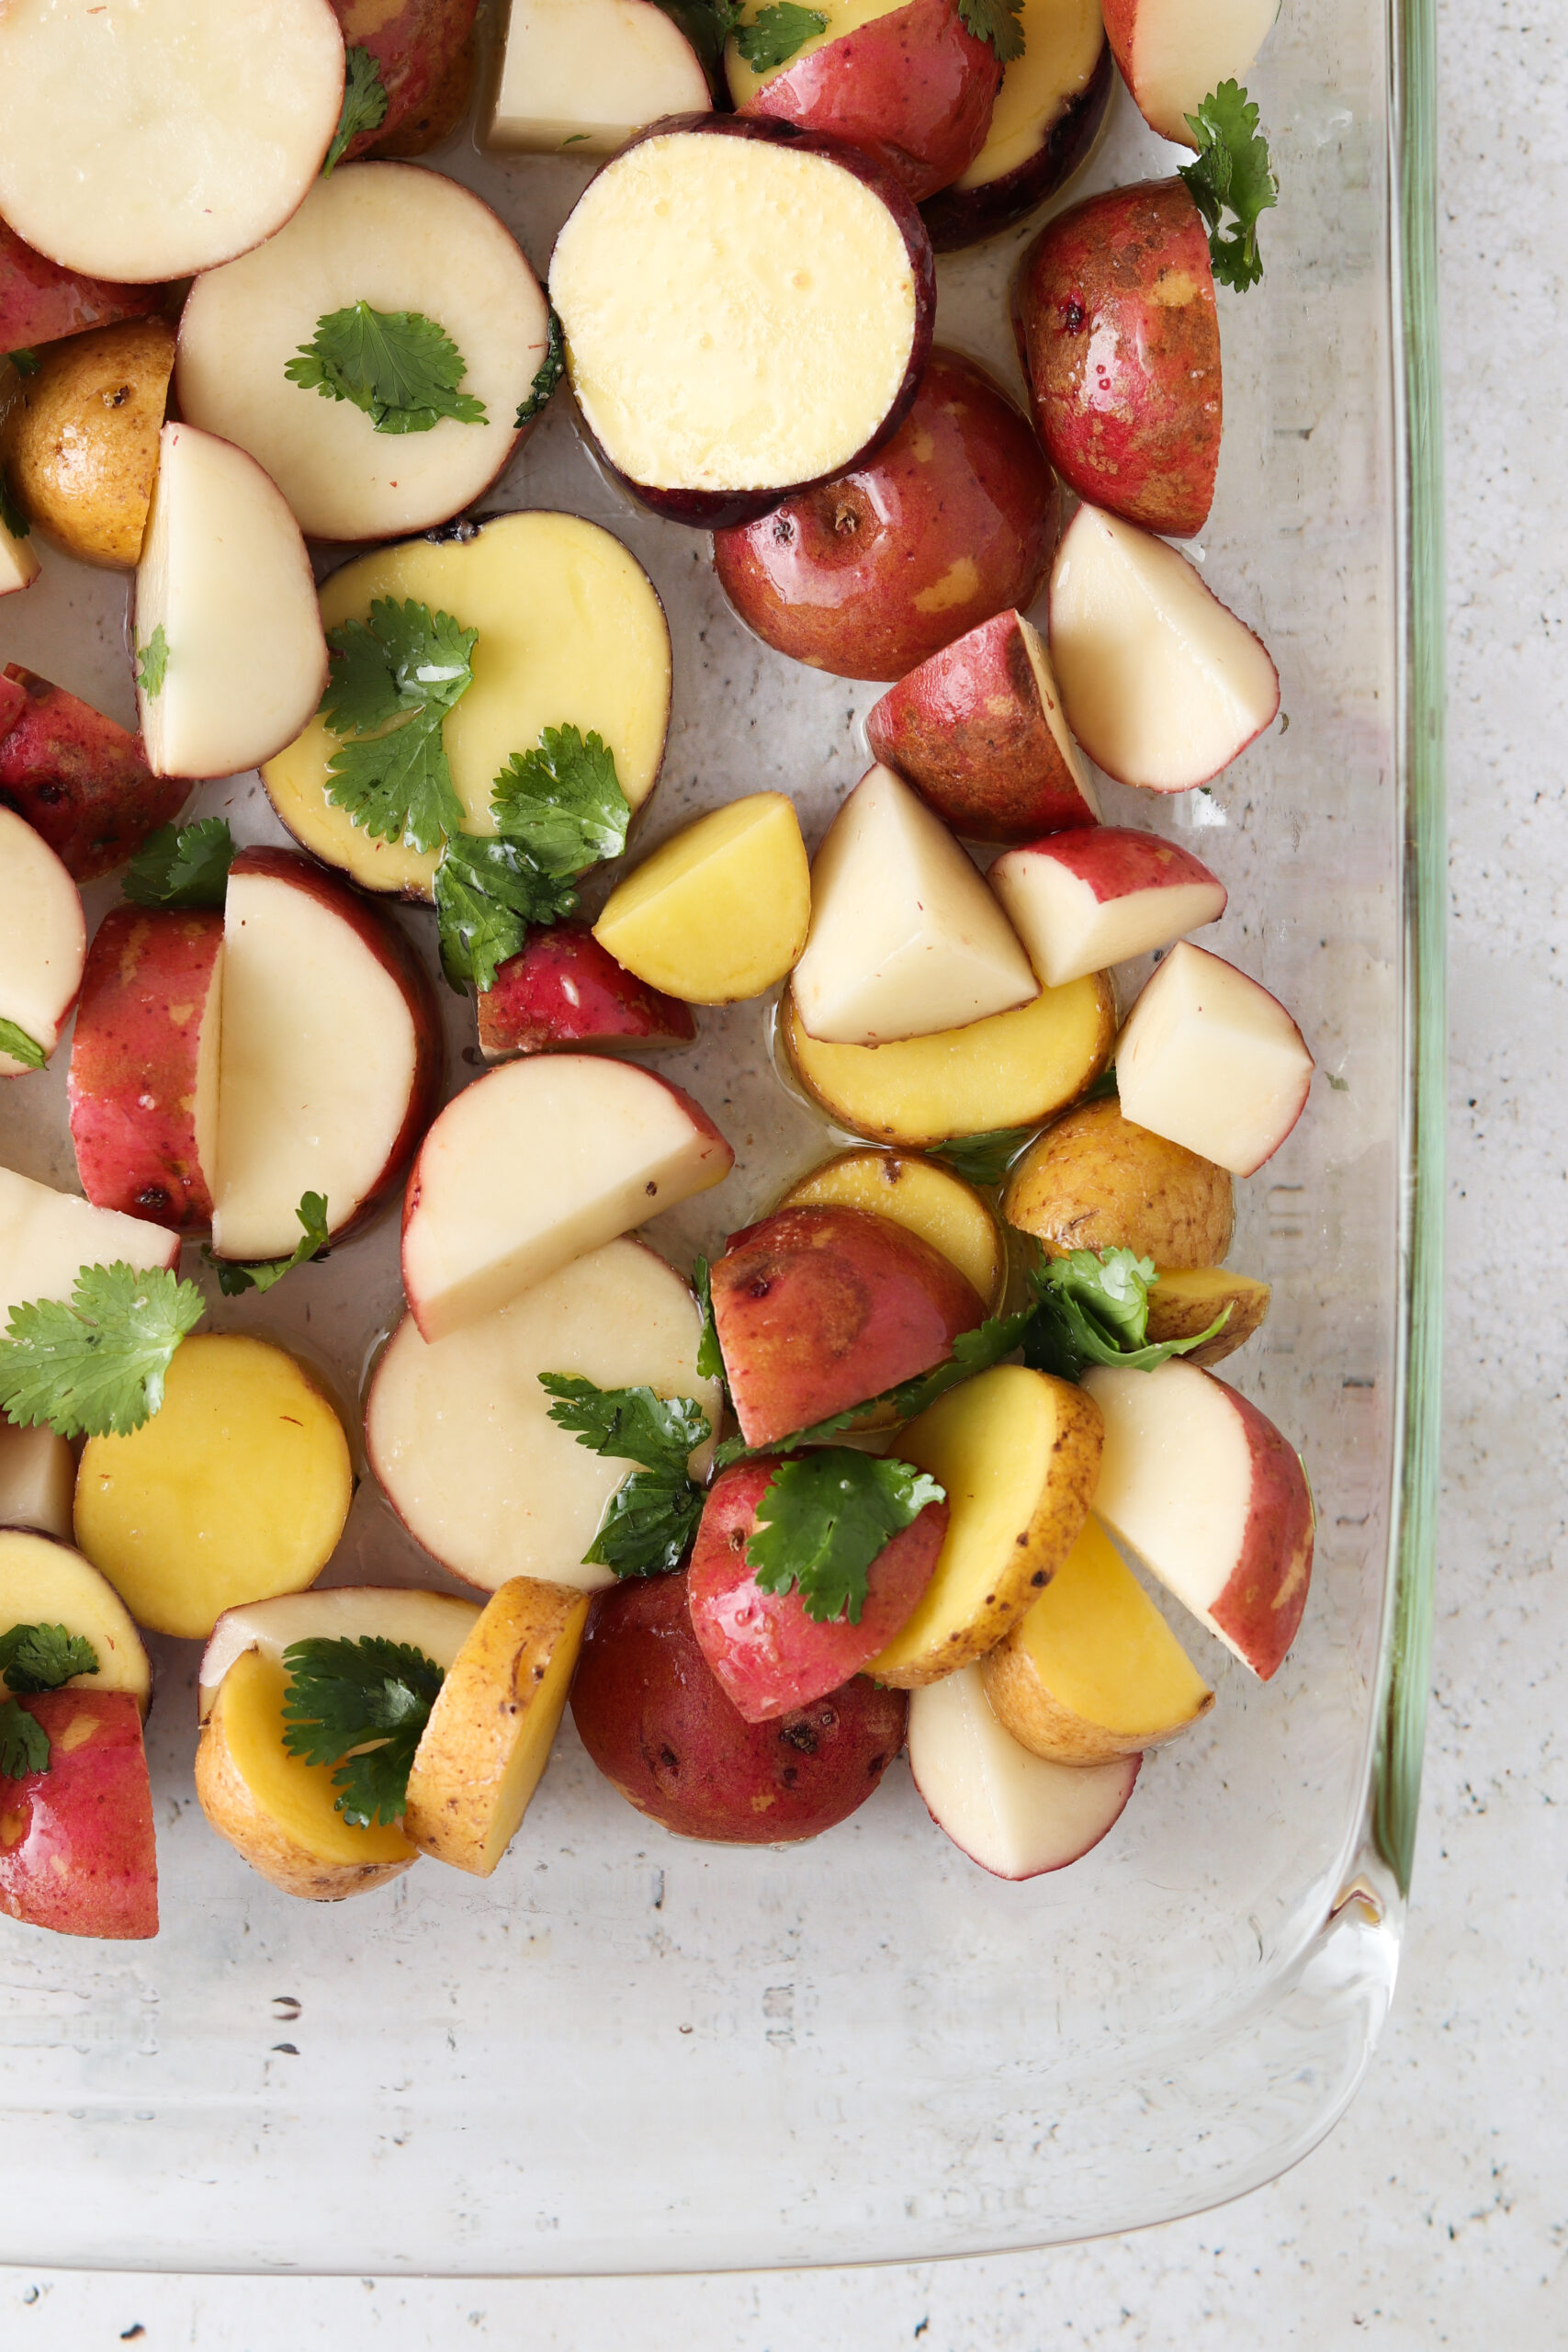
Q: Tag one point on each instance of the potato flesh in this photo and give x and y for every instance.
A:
(924, 1198)
(843, 16)
(1175, 1480)
(1180, 54)
(237, 1488)
(738, 315)
(1211, 1061)
(570, 632)
(1184, 1301)
(720, 912)
(588, 72)
(297, 1799)
(1102, 1650)
(435, 1622)
(1062, 42)
(47, 1583)
(18, 562)
(46, 1238)
(43, 938)
(1014, 1814)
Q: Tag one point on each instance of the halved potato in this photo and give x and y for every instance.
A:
(44, 1582)
(923, 1196)
(82, 447)
(488, 1740)
(1016, 1453)
(1096, 1182)
(1186, 1300)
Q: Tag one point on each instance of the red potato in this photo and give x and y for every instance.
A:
(12, 702)
(912, 83)
(657, 1723)
(819, 1308)
(978, 731)
(426, 52)
(81, 781)
(1044, 124)
(39, 301)
(565, 990)
(1114, 313)
(953, 521)
(1083, 902)
(768, 1654)
(1171, 54)
(76, 1843)
(144, 1081)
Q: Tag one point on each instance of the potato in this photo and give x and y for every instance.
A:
(237, 1488)
(79, 779)
(1184, 1302)
(274, 1809)
(1016, 1453)
(77, 1841)
(1095, 1182)
(44, 1582)
(82, 447)
(655, 1720)
(1013, 1070)
(482, 1753)
(720, 911)
(925, 1198)
(426, 52)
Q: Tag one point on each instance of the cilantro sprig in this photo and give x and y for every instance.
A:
(1093, 1307)
(995, 21)
(775, 33)
(710, 1355)
(235, 1280)
(551, 367)
(43, 1658)
(653, 1517)
(24, 1743)
(362, 1705)
(182, 866)
(96, 1367)
(152, 663)
(401, 369)
(707, 25)
(364, 104)
(824, 1517)
(1231, 173)
(393, 679)
(14, 1041)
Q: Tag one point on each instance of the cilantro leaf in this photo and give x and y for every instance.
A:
(22, 1048)
(153, 664)
(24, 1743)
(996, 22)
(823, 1518)
(649, 1524)
(182, 866)
(984, 1159)
(775, 33)
(372, 1696)
(392, 682)
(710, 1355)
(1105, 1089)
(651, 1518)
(486, 894)
(1232, 172)
(11, 514)
(1094, 1308)
(399, 367)
(234, 1281)
(563, 802)
(364, 104)
(551, 367)
(95, 1367)
(44, 1658)
(24, 362)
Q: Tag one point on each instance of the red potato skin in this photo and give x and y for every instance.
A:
(425, 52)
(41, 303)
(13, 702)
(81, 781)
(131, 1086)
(1261, 1606)
(820, 1308)
(957, 218)
(1114, 314)
(915, 86)
(565, 990)
(76, 1842)
(969, 730)
(1117, 860)
(657, 1723)
(955, 519)
(719, 510)
(770, 1656)
(393, 951)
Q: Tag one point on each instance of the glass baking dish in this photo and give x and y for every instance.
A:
(629, 2053)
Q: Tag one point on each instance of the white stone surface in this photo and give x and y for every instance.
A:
(1437, 2212)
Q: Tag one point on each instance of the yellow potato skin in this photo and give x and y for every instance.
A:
(1184, 1302)
(925, 1198)
(1018, 1455)
(237, 1488)
(720, 911)
(1094, 1180)
(81, 444)
(485, 1747)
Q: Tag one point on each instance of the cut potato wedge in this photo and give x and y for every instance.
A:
(18, 561)
(1186, 1300)
(275, 1810)
(1017, 1455)
(1014, 1814)
(570, 633)
(1092, 1671)
(923, 1196)
(581, 75)
(45, 1582)
(485, 1747)
(38, 1480)
(1014, 1070)
(46, 1238)
(236, 1488)
(436, 1623)
(1096, 1182)
(44, 940)
(719, 912)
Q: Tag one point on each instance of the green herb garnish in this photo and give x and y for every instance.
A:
(43, 1658)
(24, 1743)
(24, 362)
(775, 33)
(552, 367)
(182, 866)
(487, 892)
(984, 1159)
(399, 367)
(393, 679)
(95, 1367)
(707, 25)
(996, 22)
(822, 1521)
(234, 1281)
(1093, 1307)
(362, 1705)
(651, 1518)
(364, 104)
(1232, 172)
(22, 1048)
(153, 664)
(710, 1355)
(11, 514)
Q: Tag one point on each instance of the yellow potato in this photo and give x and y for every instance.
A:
(721, 910)
(277, 1811)
(44, 1582)
(923, 1196)
(1093, 1672)
(485, 1747)
(237, 1489)
(1184, 1302)
(1096, 1182)
(1018, 1455)
(81, 444)
(1013, 1071)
